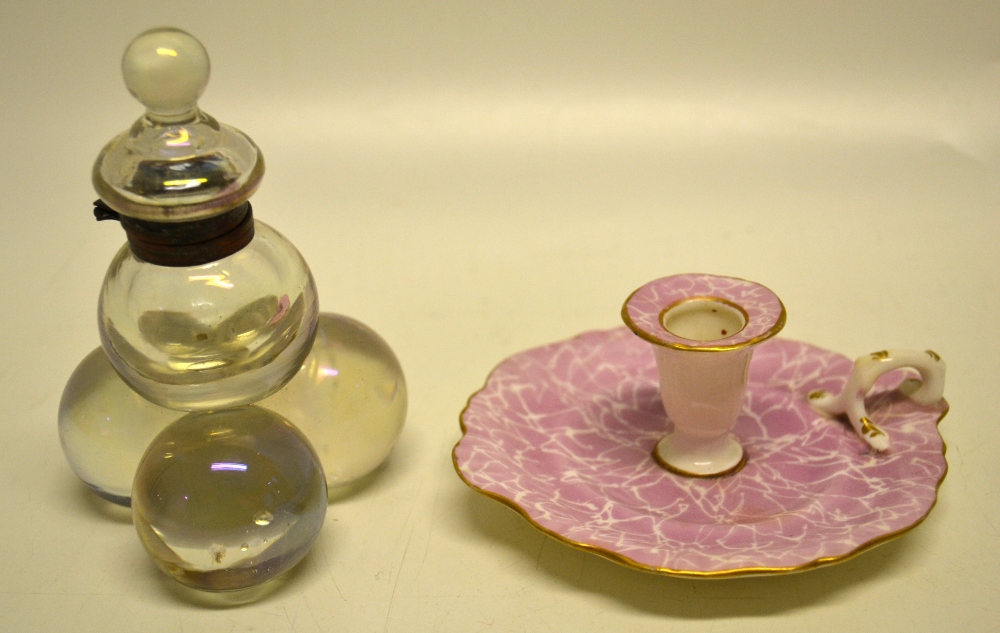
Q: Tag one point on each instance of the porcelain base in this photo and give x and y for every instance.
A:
(724, 457)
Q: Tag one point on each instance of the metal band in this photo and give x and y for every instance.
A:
(182, 244)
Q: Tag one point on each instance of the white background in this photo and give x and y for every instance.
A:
(475, 178)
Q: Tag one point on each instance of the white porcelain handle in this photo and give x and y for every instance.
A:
(867, 370)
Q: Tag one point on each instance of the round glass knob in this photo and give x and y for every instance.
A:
(230, 499)
(166, 69)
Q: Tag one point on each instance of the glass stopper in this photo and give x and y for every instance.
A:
(176, 163)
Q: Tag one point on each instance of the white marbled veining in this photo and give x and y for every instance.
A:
(564, 433)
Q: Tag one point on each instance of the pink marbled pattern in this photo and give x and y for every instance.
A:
(642, 309)
(564, 432)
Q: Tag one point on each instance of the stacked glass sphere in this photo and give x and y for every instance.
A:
(222, 406)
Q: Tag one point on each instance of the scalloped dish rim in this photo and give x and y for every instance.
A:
(626, 561)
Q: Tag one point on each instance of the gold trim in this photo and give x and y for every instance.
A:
(649, 338)
(883, 355)
(683, 473)
(868, 428)
(816, 394)
(933, 354)
(621, 559)
(679, 302)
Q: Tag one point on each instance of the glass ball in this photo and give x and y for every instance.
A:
(349, 398)
(226, 500)
(105, 427)
(221, 334)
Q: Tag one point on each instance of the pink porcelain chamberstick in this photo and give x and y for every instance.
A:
(564, 433)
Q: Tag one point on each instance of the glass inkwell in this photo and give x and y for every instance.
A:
(221, 405)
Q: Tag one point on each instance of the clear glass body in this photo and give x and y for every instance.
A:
(230, 499)
(221, 334)
(105, 427)
(349, 399)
